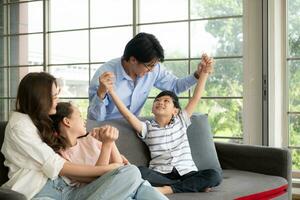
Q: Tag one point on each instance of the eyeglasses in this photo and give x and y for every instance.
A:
(150, 66)
(55, 96)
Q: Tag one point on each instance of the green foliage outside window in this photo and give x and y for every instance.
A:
(294, 78)
(224, 114)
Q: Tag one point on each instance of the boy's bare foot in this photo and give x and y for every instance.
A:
(207, 189)
(165, 189)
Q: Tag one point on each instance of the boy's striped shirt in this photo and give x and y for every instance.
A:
(169, 145)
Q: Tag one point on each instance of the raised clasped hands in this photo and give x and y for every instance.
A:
(206, 64)
(106, 83)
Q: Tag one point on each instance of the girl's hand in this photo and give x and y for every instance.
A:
(113, 166)
(124, 160)
(106, 134)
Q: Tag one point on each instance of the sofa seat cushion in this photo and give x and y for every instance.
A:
(242, 185)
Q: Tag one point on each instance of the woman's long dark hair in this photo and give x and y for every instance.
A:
(34, 98)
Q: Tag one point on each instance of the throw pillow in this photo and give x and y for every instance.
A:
(202, 145)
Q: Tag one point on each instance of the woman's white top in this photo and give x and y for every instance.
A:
(30, 161)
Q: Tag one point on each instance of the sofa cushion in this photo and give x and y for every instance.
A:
(202, 144)
(240, 185)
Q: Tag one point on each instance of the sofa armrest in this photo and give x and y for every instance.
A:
(11, 195)
(259, 159)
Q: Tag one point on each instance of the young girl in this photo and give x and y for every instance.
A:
(78, 147)
(172, 168)
(35, 169)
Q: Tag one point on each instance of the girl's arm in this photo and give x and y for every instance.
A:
(107, 135)
(75, 170)
(115, 156)
(104, 157)
(131, 118)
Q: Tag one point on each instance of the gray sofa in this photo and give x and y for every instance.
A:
(247, 170)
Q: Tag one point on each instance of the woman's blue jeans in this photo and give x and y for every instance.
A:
(124, 183)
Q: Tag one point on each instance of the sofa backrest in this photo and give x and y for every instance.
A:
(128, 143)
(199, 135)
(3, 169)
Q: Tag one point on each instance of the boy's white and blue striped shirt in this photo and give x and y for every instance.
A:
(169, 145)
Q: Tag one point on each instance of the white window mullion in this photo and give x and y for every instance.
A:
(252, 103)
(278, 89)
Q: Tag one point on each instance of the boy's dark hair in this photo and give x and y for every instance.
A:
(170, 94)
(63, 109)
(144, 47)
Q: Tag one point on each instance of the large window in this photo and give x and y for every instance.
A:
(293, 78)
(72, 38)
(200, 26)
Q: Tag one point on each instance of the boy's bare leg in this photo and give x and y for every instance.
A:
(165, 189)
(207, 189)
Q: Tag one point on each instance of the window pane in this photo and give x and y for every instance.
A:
(3, 82)
(294, 86)
(68, 14)
(26, 17)
(3, 109)
(69, 47)
(174, 44)
(109, 43)
(225, 116)
(293, 28)
(2, 10)
(294, 130)
(223, 37)
(226, 80)
(12, 105)
(82, 104)
(110, 13)
(166, 10)
(73, 79)
(16, 75)
(2, 52)
(15, 1)
(229, 140)
(208, 8)
(94, 69)
(296, 159)
(26, 49)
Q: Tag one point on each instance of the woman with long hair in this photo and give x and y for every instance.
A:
(35, 169)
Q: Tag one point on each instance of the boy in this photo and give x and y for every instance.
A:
(171, 168)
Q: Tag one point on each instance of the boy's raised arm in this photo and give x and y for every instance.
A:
(200, 86)
(131, 118)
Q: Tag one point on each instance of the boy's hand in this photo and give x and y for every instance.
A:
(207, 64)
(106, 83)
(106, 134)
